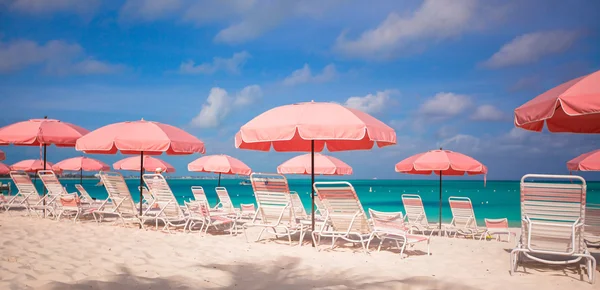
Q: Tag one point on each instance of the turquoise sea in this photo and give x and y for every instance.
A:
(496, 200)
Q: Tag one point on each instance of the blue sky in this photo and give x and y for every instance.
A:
(442, 73)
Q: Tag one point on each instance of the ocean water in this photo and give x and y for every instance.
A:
(498, 199)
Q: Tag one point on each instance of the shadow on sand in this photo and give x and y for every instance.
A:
(286, 273)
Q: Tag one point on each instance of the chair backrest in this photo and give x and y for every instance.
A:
(415, 211)
(496, 223)
(388, 222)
(118, 192)
(198, 209)
(83, 192)
(343, 207)
(247, 209)
(199, 194)
(25, 187)
(69, 201)
(224, 199)
(319, 205)
(273, 198)
(299, 209)
(146, 194)
(50, 181)
(163, 196)
(463, 215)
(592, 222)
(550, 208)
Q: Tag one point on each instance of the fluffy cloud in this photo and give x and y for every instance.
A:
(371, 103)
(445, 105)
(219, 104)
(304, 75)
(46, 6)
(488, 113)
(532, 47)
(56, 56)
(434, 20)
(230, 65)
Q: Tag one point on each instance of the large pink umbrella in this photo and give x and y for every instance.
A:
(4, 169)
(572, 107)
(221, 164)
(585, 162)
(441, 162)
(309, 127)
(2, 156)
(81, 164)
(31, 165)
(324, 165)
(150, 164)
(140, 137)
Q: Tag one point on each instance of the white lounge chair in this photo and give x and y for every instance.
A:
(415, 215)
(299, 209)
(463, 218)
(592, 225)
(119, 202)
(84, 195)
(27, 196)
(390, 225)
(552, 222)
(165, 207)
(199, 213)
(497, 227)
(247, 211)
(62, 202)
(275, 210)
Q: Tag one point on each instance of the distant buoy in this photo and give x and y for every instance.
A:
(370, 189)
(486, 202)
(494, 190)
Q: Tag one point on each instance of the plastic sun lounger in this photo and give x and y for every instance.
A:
(552, 222)
(27, 196)
(592, 225)
(63, 202)
(298, 206)
(275, 210)
(199, 213)
(390, 225)
(165, 207)
(247, 211)
(463, 218)
(85, 196)
(200, 195)
(415, 215)
(345, 216)
(19, 200)
(119, 202)
(497, 227)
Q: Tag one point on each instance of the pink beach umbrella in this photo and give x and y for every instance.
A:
(572, 107)
(150, 164)
(585, 162)
(4, 169)
(140, 138)
(221, 164)
(81, 164)
(441, 162)
(31, 165)
(324, 165)
(2, 156)
(309, 127)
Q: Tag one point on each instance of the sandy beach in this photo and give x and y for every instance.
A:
(46, 254)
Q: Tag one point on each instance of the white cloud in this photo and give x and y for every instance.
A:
(445, 105)
(371, 103)
(304, 75)
(148, 10)
(230, 65)
(219, 104)
(57, 56)
(531, 47)
(52, 6)
(461, 143)
(433, 20)
(488, 113)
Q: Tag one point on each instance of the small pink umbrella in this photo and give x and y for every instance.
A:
(585, 162)
(2, 156)
(4, 169)
(309, 127)
(81, 164)
(324, 165)
(572, 107)
(441, 162)
(140, 137)
(222, 164)
(150, 164)
(31, 165)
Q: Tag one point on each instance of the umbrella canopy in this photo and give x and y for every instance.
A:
(4, 169)
(2, 156)
(221, 164)
(150, 164)
(585, 162)
(572, 107)
(31, 165)
(309, 127)
(36, 132)
(324, 165)
(81, 164)
(140, 137)
(441, 162)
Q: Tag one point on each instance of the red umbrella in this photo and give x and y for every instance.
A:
(222, 164)
(150, 164)
(572, 107)
(441, 162)
(585, 162)
(309, 127)
(4, 169)
(81, 164)
(2, 156)
(324, 165)
(31, 165)
(140, 137)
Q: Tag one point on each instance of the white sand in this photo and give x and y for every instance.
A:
(45, 254)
